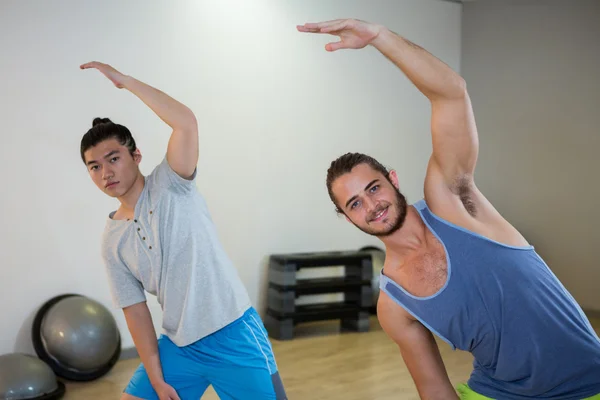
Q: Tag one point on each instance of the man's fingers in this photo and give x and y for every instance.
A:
(92, 64)
(320, 26)
(333, 46)
(303, 28)
(334, 27)
(323, 24)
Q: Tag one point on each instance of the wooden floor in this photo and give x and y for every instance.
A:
(320, 363)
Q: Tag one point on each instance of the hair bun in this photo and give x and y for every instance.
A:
(100, 121)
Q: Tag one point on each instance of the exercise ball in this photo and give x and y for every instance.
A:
(377, 259)
(23, 376)
(77, 337)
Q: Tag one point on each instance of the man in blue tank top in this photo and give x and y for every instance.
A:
(454, 266)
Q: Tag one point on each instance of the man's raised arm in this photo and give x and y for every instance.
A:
(454, 134)
(182, 152)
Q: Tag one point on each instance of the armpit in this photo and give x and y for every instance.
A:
(463, 188)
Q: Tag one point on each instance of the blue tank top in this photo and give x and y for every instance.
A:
(528, 336)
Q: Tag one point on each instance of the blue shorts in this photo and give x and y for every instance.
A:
(237, 361)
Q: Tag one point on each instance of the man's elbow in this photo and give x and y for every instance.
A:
(460, 84)
(455, 88)
(186, 125)
(189, 123)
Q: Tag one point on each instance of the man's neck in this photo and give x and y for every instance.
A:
(407, 240)
(130, 198)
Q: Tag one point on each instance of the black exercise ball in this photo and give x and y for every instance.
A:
(25, 377)
(77, 337)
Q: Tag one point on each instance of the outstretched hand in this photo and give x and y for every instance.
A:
(115, 76)
(353, 33)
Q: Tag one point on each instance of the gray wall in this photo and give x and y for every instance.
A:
(274, 108)
(533, 71)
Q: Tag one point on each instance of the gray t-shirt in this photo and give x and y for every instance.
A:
(171, 250)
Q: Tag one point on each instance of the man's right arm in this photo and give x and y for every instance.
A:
(418, 349)
(139, 322)
(128, 294)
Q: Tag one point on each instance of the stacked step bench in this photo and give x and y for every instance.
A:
(283, 314)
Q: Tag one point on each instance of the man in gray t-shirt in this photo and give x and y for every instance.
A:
(162, 240)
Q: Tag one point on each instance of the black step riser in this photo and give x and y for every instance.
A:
(285, 301)
(284, 288)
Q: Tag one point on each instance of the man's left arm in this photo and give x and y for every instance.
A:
(453, 128)
(182, 151)
(454, 135)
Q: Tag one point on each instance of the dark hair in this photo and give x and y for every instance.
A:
(103, 129)
(344, 164)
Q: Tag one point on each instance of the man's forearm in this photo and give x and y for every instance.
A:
(139, 322)
(172, 112)
(430, 75)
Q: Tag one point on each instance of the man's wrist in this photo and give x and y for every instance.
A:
(156, 383)
(383, 36)
(156, 379)
(127, 81)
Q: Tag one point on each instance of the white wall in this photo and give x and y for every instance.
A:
(532, 71)
(274, 109)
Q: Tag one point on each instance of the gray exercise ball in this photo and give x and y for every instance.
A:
(79, 333)
(23, 376)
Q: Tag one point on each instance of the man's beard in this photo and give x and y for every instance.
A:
(391, 225)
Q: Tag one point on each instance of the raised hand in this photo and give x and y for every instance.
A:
(353, 33)
(115, 76)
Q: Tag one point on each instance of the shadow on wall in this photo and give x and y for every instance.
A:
(23, 344)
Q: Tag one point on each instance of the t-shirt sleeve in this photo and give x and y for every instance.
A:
(125, 289)
(165, 178)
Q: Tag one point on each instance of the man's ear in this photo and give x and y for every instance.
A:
(137, 156)
(394, 179)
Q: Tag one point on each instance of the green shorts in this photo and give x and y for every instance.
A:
(466, 393)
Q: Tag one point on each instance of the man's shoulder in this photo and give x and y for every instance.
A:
(154, 176)
(420, 204)
(163, 177)
(113, 234)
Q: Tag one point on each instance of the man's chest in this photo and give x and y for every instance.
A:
(140, 250)
(160, 237)
(424, 274)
